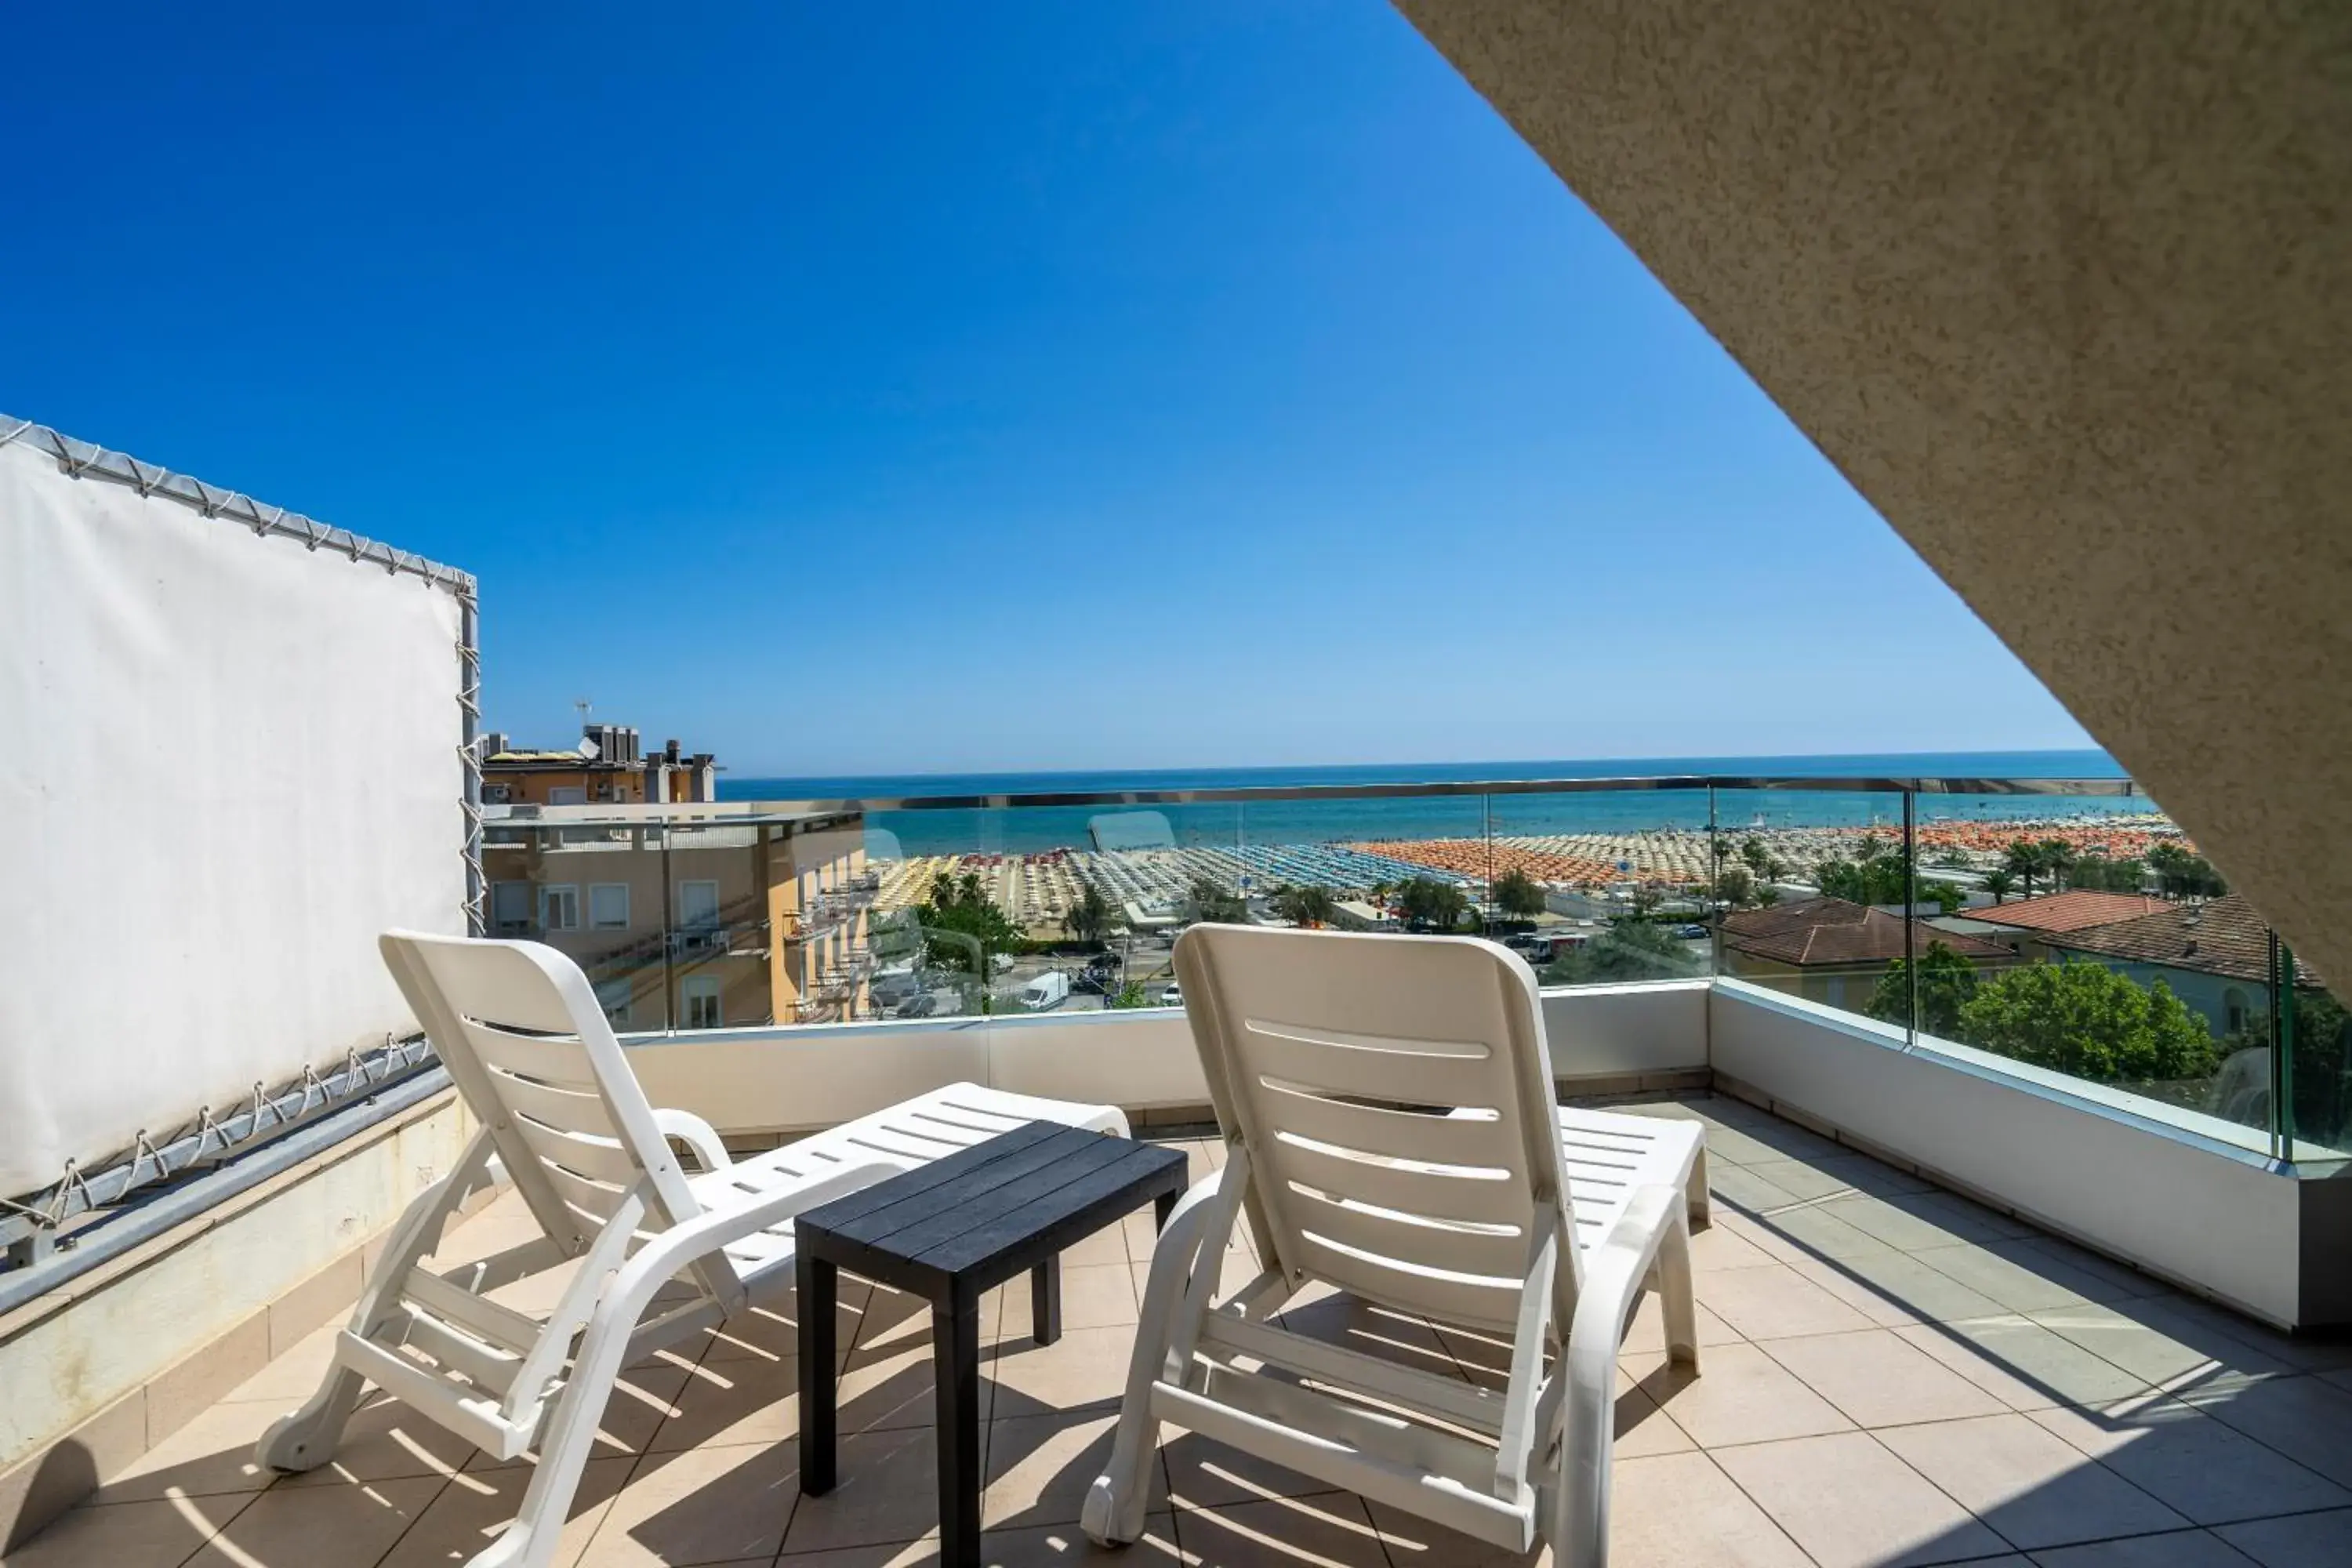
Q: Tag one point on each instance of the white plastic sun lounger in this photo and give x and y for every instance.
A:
(1387, 1108)
(521, 1032)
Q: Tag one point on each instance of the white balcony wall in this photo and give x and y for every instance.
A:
(2221, 1220)
(751, 1083)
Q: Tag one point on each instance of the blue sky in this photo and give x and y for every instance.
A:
(915, 389)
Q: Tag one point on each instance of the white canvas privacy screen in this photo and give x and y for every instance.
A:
(228, 760)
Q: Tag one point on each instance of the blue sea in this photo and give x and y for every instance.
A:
(1032, 830)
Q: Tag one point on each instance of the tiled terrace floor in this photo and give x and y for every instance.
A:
(1891, 1376)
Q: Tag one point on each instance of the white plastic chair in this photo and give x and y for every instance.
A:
(1388, 1111)
(519, 1027)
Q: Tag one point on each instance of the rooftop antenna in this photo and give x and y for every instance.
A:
(585, 707)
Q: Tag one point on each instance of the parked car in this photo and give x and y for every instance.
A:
(1172, 996)
(921, 1005)
(1693, 933)
(1042, 992)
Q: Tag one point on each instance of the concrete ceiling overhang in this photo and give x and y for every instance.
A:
(2063, 290)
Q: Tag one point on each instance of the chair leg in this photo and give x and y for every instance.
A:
(307, 1438)
(1697, 1193)
(1113, 1512)
(1677, 1293)
(564, 1445)
(1580, 1522)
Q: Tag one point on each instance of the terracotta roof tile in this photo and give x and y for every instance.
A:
(2221, 936)
(2070, 910)
(1836, 931)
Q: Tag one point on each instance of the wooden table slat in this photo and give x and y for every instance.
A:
(1035, 1222)
(948, 1168)
(973, 1210)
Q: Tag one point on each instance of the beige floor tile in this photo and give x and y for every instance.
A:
(1098, 1296)
(1415, 1543)
(886, 1490)
(1332, 1530)
(1814, 1179)
(1807, 1233)
(883, 1554)
(1744, 1396)
(1643, 1429)
(1204, 1473)
(387, 1440)
(152, 1534)
(1892, 1288)
(1104, 1246)
(1764, 1143)
(1086, 1368)
(1851, 1503)
(1916, 1221)
(2019, 1278)
(2031, 1488)
(1039, 1467)
(1776, 1303)
(2307, 1418)
(2168, 1350)
(1357, 1325)
(893, 1389)
(2121, 1281)
(211, 1455)
(476, 1508)
(733, 1402)
(1744, 1188)
(2188, 1549)
(1647, 1332)
(2024, 1365)
(355, 1523)
(771, 1332)
(711, 1505)
(294, 1377)
(1680, 1510)
(2197, 1465)
(1057, 1545)
(1876, 1378)
(2301, 1541)
(1720, 1249)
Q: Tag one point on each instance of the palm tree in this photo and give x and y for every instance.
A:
(1517, 895)
(1091, 917)
(2057, 860)
(2023, 861)
(2000, 883)
(1305, 905)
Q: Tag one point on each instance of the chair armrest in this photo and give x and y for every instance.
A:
(1614, 1272)
(697, 1134)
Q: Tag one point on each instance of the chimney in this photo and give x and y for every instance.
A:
(492, 742)
(671, 749)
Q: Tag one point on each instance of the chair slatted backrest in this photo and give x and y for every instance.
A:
(1395, 1097)
(517, 1025)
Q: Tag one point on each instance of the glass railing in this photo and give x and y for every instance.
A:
(2064, 928)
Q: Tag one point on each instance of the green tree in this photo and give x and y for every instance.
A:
(1999, 882)
(1305, 905)
(1762, 865)
(1131, 994)
(1948, 897)
(1517, 895)
(1735, 886)
(1627, 950)
(2088, 1021)
(2182, 875)
(2023, 861)
(962, 927)
(1208, 901)
(2057, 862)
(1429, 904)
(1947, 982)
(1091, 916)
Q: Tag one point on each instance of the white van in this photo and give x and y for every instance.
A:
(1042, 992)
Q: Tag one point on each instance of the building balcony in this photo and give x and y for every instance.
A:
(1890, 1373)
(1964, 1299)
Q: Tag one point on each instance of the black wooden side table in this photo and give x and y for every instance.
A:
(947, 1232)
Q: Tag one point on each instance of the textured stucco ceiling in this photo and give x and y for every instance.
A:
(2063, 290)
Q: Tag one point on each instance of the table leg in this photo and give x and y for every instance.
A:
(1162, 1207)
(1045, 1301)
(955, 1370)
(817, 1282)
